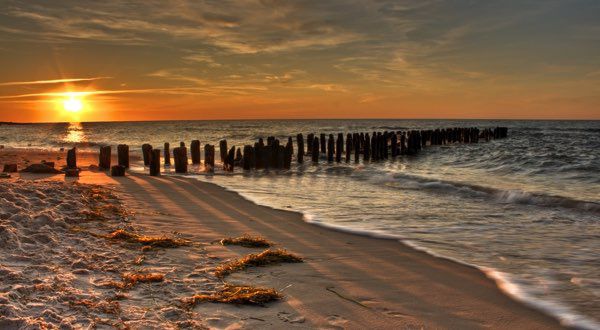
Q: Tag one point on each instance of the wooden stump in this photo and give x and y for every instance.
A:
(367, 148)
(300, 142)
(223, 150)
(195, 151)
(209, 157)
(323, 144)
(357, 144)
(155, 163)
(167, 154)
(230, 160)
(309, 144)
(146, 150)
(349, 142)
(315, 150)
(117, 170)
(288, 153)
(72, 158)
(123, 155)
(180, 159)
(248, 158)
(104, 158)
(339, 147)
(394, 142)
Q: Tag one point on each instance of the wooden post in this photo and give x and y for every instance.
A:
(248, 157)
(323, 144)
(280, 157)
(330, 148)
(258, 155)
(403, 143)
(104, 159)
(182, 144)
(230, 160)
(155, 163)
(223, 150)
(238, 157)
(180, 158)
(300, 142)
(146, 150)
(315, 150)
(288, 153)
(195, 151)
(348, 147)
(167, 154)
(339, 147)
(394, 144)
(72, 158)
(209, 157)
(123, 155)
(309, 143)
(367, 148)
(117, 170)
(357, 144)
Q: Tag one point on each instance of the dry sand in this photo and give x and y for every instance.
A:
(346, 281)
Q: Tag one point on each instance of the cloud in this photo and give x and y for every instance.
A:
(52, 81)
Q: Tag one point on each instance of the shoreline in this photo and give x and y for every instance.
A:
(467, 297)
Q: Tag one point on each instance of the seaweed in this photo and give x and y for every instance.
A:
(267, 257)
(237, 294)
(153, 241)
(131, 279)
(247, 241)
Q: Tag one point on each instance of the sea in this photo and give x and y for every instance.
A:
(525, 209)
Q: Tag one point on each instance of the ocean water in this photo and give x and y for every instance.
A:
(526, 209)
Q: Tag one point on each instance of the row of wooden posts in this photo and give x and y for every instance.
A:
(273, 154)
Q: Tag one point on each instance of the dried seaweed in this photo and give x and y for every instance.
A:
(247, 241)
(153, 241)
(267, 257)
(131, 279)
(238, 294)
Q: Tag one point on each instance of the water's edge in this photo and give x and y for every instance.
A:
(504, 281)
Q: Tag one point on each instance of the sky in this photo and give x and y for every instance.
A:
(186, 59)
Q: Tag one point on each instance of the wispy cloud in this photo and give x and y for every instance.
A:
(51, 82)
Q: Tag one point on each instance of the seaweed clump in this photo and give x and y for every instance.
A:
(131, 279)
(153, 241)
(267, 257)
(238, 294)
(247, 241)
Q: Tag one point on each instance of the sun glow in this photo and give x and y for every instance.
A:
(73, 103)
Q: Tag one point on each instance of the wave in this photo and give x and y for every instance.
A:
(513, 196)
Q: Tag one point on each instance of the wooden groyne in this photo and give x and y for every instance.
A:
(327, 148)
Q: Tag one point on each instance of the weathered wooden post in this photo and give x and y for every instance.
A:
(180, 158)
(155, 163)
(339, 147)
(72, 158)
(228, 165)
(258, 157)
(182, 144)
(315, 150)
(117, 170)
(146, 150)
(195, 151)
(348, 147)
(248, 158)
(104, 158)
(280, 160)
(357, 144)
(288, 152)
(309, 143)
(367, 148)
(123, 155)
(330, 148)
(394, 142)
(403, 143)
(300, 142)
(323, 143)
(223, 150)
(167, 154)
(274, 153)
(238, 157)
(209, 157)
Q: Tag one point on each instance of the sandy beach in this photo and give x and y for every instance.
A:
(345, 281)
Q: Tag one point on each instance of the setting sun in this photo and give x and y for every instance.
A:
(73, 104)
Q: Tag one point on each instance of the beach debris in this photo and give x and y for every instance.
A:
(152, 241)
(40, 169)
(237, 294)
(131, 279)
(102, 306)
(247, 240)
(267, 257)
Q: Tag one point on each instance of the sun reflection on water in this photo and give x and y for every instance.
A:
(75, 133)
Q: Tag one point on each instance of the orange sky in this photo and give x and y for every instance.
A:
(272, 59)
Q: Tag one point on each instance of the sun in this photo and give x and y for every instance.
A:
(73, 103)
